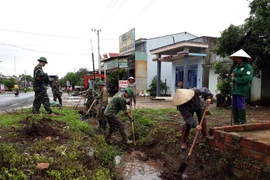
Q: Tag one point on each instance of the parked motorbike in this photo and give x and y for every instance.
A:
(16, 92)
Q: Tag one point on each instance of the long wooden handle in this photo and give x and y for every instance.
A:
(78, 103)
(132, 126)
(197, 134)
(91, 106)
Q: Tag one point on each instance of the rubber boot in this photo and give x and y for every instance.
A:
(184, 137)
(236, 116)
(242, 116)
(124, 135)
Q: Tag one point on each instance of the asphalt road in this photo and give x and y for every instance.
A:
(9, 101)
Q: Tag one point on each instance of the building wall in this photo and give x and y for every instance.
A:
(213, 80)
(166, 68)
(256, 86)
(140, 71)
(198, 61)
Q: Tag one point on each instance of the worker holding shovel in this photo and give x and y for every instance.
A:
(90, 95)
(103, 102)
(189, 102)
(118, 103)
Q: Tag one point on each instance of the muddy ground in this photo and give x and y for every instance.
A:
(163, 144)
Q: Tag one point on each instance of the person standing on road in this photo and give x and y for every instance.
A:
(56, 91)
(117, 104)
(241, 78)
(41, 80)
(132, 85)
(189, 102)
(102, 104)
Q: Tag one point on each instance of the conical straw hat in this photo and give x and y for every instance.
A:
(240, 53)
(182, 96)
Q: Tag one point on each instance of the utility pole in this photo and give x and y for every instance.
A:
(25, 80)
(97, 32)
(15, 64)
(93, 61)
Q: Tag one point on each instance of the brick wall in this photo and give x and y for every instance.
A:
(226, 138)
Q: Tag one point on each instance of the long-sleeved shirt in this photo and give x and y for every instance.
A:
(188, 109)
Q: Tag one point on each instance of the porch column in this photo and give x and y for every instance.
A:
(158, 75)
(185, 80)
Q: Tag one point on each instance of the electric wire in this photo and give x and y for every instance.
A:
(140, 13)
(81, 54)
(52, 35)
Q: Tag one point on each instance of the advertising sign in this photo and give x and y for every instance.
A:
(122, 85)
(127, 42)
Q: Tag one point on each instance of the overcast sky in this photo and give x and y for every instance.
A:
(60, 30)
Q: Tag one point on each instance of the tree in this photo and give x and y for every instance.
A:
(72, 78)
(9, 83)
(80, 74)
(153, 86)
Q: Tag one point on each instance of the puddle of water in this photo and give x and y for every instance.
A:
(134, 169)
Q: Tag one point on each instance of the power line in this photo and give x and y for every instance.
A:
(140, 12)
(111, 8)
(106, 9)
(115, 11)
(86, 54)
(51, 35)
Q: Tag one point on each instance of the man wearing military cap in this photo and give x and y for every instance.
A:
(41, 80)
(118, 103)
(56, 91)
(102, 104)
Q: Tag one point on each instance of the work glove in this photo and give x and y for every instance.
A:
(131, 120)
(103, 107)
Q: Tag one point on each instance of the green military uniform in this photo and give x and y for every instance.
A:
(90, 95)
(41, 80)
(56, 92)
(102, 104)
(117, 104)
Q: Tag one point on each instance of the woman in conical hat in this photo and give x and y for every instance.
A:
(132, 85)
(189, 102)
(241, 77)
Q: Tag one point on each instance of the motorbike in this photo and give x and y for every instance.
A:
(16, 92)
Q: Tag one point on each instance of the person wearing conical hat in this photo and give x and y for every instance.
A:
(102, 104)
(241, 78)
(189, 102)
(132, 85)
(118, 103)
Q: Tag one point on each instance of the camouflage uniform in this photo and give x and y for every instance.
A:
(90, 95)
(103, 102)
(117, 104)
(56, 92)
(41, 80)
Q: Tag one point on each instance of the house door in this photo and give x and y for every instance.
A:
(192, 75)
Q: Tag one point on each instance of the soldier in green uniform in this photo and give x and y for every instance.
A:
(241, 78)
(56, 90)
(118, 103)
(90, 95)
(41, 80)
(103, 102)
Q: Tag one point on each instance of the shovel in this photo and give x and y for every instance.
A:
(78, 103)
(89, 109)
(183, 166)
(132, 127)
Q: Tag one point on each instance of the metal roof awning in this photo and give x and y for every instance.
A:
(179, 56)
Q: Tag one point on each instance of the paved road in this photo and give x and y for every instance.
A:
(8, 101)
